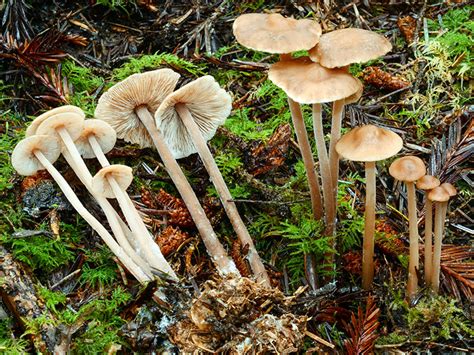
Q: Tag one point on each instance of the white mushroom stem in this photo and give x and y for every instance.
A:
(369, 228)
(308, 160)
(440, 216)
(428, 240)
(240, 229)
(224, 264)
(336, 124)
(413, 263)
(329, 208)
(136, 271)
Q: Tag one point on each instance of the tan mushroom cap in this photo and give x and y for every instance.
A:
(209, 106)
(121, 173)
(23, 158)
(31, 130)
(307, 82)
(117, 106)
(274, 33)
(427, 182)
(438, 194)
(72, 122)
(450, 189)
(369, 143)
(408, 169)
(103, 133)
(348, 46)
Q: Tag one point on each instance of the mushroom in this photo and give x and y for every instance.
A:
(369, 144)
(409, 169)
(128, 107)
(441, 196)
(427, 183)
(187, 119)
(31, 129)
(39, 152)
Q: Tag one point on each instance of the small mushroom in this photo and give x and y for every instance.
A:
(32, 128)
(369, 144)
(39, 152)
(187, 119)
(441, 196)
(427, 183)
(409, 169)
(128, 107)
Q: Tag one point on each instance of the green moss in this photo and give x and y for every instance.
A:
(52, 298)
(9, 344)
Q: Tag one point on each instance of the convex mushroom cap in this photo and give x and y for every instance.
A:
(307, 82)
(24, 160)
(438, 194)
(70, 121)
(408, 169)
(209, 106)
(369, 143)
(450, 189)
(348, 46)
(121, 173)
(427, 182)
(117, 106)
(274, 33)
(101, 131)
(32, 128)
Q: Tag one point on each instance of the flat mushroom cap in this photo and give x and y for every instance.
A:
(408, 169)
(31, 130)
(450, 189)
(348, 46)
(117, 106)
(369, 143)
(121, 173)
(23, 159)
(427, 182)
(103, 133)
(209, 106)
(274, 33)
(438, 194)
(307, 82)
(72, 122)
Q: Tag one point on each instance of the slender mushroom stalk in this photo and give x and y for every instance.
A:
(409, 169)
(39, 152)
(369, 144)
(336, 124)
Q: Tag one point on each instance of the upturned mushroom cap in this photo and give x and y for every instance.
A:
(450, 189)
(427, 182)
(209, 106)
(408, 169)
(117, 106)
(23, 158)
(348, 46)
(369, 143)
(121, 173)
(274, 33)
(31, 130)
(72, 122)
(307, 82)
(103, 133)
(438, 194)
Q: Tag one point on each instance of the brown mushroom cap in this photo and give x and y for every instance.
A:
(72, 122)
(31, 130)
(450, 189)
(307, 82)
(274, 33)
(408, 169)
(209, 105)
(23, 159)
(121, 173)
(369, 143)
(348, 46)
(438, 194)
(103, 133)
(117, 106)
(427, 182)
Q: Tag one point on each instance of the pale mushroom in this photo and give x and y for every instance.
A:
(31, 129)
(128, 107)
(427, 183)
(369, 144)
(409, 169)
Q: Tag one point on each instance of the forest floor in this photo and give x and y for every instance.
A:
(63, 290)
